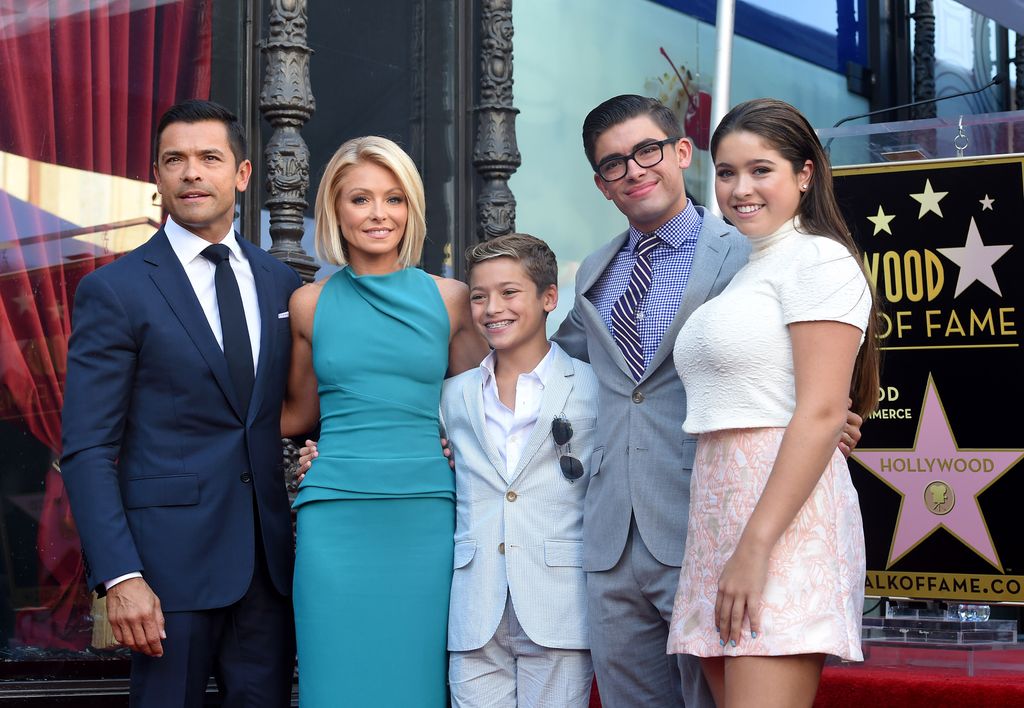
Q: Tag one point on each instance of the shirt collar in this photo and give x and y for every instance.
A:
(187, 246)
(541, 372)
(674, 232)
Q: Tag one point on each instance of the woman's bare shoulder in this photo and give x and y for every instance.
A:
(302, 305)
(452, 290)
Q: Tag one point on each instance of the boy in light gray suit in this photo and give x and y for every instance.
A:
(522, 427)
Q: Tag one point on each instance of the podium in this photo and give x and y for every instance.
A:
(940, 642)
(984, 134)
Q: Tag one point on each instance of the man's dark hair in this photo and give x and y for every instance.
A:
(195, 110)
(620, 109)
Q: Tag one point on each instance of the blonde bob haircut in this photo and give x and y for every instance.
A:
(330, 243)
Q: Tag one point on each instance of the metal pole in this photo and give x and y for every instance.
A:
(720, 103)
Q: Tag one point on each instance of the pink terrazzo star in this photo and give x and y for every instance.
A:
(935, 456)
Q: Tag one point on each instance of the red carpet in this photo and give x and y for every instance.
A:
(912, 688)
(925, 678)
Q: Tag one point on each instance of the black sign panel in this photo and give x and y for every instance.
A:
(938, 469)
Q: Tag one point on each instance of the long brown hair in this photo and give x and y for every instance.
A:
(786, 130)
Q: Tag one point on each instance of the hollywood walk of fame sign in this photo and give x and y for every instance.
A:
(940, 469)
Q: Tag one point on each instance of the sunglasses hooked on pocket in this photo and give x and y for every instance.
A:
(561, 433)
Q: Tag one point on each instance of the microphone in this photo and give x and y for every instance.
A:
(996, 80)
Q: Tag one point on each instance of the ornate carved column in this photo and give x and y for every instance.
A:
(286, 101)
(924, 57)
(495, 153)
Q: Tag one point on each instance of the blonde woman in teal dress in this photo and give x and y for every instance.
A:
(371, 346)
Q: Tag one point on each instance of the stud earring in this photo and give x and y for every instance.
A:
(803, 187)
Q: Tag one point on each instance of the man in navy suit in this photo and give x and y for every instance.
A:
(177, 365)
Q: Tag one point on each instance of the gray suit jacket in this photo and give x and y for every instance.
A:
(520, 531)
(645, 470)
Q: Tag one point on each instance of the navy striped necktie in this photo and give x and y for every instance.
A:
(624, 327)
(235, 331)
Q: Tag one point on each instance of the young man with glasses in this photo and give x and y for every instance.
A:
(632, 296)
(522, 428)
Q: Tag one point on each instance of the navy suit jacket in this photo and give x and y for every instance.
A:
(160, 461)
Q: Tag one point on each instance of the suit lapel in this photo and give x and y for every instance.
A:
(172, 282)
(556, 393)
(473, 394)
(268, 318)
(593, 320)
(707, 263)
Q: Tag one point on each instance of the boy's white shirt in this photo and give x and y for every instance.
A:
(514, 427)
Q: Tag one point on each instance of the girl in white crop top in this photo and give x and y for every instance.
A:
(773, 574)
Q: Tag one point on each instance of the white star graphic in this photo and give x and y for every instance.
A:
(25, 303)
(929, 199)
(56, 311)
(975, 260)
(987, 203)
(881, 221)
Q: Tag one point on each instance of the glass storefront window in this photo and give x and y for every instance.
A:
(82, 85)
(966, 57)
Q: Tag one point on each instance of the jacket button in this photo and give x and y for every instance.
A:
(638, 397)
(511, 496)
(501, 548)
(246, 477)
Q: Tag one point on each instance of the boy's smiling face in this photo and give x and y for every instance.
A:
(507, 309)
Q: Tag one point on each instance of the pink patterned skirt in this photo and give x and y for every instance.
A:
(814, 595)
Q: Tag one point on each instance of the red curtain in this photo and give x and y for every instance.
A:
(83, 85)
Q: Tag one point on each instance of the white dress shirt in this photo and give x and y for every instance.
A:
(189, 249)
(510, 429)
(200, 271)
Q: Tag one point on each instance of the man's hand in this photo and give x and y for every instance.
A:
(850, 436)
(135, 617)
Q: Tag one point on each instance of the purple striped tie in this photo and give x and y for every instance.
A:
(624, 311)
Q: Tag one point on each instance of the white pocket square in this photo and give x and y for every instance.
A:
(282, 315)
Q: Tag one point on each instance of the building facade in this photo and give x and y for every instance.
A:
(84, 82)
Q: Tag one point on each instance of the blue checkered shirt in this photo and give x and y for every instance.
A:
(671, 262)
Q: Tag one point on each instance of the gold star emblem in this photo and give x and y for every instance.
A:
(929, 199)
(881, 221)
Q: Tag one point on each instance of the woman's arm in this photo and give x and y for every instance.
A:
(466, 346)
(301, 409)
(823, 358)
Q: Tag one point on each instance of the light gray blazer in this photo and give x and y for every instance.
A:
(645, 469)
(535, 512)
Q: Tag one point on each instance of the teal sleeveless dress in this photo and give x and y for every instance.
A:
(376, 512)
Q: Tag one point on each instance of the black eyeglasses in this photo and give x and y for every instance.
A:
(561, 431)
(614, 168)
